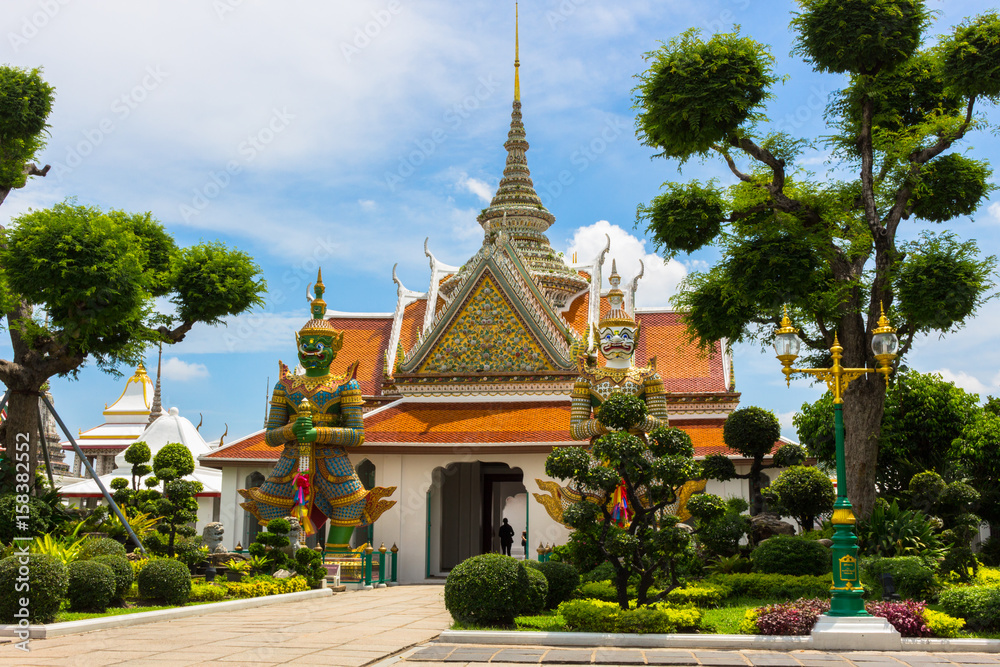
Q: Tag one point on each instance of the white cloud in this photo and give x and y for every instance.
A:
(785, 419)
(182, 371)
(478, 187)
(251, 332)
(367, 204)
(995, 211)
(661, 278)
(965, 381)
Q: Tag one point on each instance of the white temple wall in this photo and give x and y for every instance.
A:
(405, 524)
(233, 517)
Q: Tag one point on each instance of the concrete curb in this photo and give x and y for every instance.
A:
(730, 642)
(126, 620)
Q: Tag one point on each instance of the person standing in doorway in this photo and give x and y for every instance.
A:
(506, 533)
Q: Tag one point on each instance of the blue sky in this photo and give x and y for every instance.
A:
(342, 134)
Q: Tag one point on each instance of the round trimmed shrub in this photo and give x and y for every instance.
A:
(123, 574)
(101, 546)
(486, 590)
(563, 579)
(47, 579)
(91, 586)
(538, 591)
(165, 580)
(785, 554)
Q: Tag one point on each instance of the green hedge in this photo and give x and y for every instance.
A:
(978, 605)
(701, 594)
(913, 577)
(795, 556)
(768, 586)
(538, 591)
(599, 616)
(47, 583)
(166, 580)
(489, 589)
(91, 586)
(207, 593)
(563, 579)
(123, 574)
(101, 546)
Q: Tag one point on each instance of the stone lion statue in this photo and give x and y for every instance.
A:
(211, 537)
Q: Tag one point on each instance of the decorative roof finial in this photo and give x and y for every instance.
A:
(517, 61)
(157, 408)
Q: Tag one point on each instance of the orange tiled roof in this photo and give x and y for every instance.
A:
(365, 341)
(683, 367)
(413, 320)
(425, 423)
(577, 313)
(248, 447)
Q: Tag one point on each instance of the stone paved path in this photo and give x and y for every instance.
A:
(346, 630)
(393, 627)
(475, 655)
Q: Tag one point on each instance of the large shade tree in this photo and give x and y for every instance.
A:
(924, 415)
(78, 283)
(830, 249)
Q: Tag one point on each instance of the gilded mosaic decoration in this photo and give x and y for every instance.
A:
(487, 336)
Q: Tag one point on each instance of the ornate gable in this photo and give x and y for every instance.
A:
(487, 335)
(497, 322)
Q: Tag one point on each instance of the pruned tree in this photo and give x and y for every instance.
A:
(828, 248)
(753, 432)
(25, 105)
(79, 283)
(647, 472)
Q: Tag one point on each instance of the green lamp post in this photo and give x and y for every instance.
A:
(846, 592)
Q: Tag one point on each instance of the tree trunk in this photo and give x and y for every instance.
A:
(756, 499)
(864, 404)
(22, 418)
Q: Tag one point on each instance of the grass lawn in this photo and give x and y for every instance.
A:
(65, 616)
(726, 620)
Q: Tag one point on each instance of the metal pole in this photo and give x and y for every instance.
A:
(368, 566)
(381, 566)
(93, 473)
(394, 551)
(846, 598)
(45, 448)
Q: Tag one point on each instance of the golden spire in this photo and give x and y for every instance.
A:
(517, 61)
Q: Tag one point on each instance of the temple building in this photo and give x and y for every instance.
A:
(467, 387)
(124, 422)
(169, 427)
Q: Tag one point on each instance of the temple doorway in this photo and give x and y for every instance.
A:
(470, 501)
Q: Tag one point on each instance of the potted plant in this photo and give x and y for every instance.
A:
(235, 569)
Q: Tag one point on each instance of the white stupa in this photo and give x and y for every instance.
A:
(168, 428)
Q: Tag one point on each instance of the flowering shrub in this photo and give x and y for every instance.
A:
(255, 587)
(789, 618)
(598, 616)
(943, 625)
(906, 616)
(703, 594)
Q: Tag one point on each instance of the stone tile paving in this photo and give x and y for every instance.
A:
(475, 655)
(346, 630)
